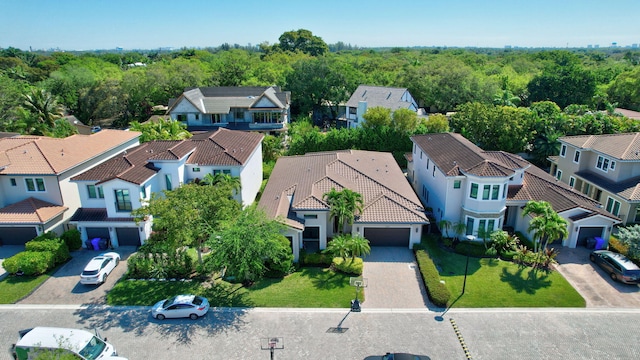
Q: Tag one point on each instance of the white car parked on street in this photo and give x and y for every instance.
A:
(99, 268)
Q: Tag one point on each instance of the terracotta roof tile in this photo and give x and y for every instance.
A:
(97, 214)
(31, 211)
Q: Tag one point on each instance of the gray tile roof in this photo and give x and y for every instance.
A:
(221, 147)
(387, 97)
(388, 196)
(628, 189)
(625, 146)
(219, 100)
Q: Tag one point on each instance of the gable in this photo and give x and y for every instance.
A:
(184, 106)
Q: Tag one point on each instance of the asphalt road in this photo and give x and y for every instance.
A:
(315, 334)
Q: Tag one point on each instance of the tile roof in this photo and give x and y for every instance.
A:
(388, 196)
(455, 155)
(625, 146)
(30, 211)
(98, 215)
(219, 100)
(45, 155)
(221, 147)
(387, 97)
(628, 189)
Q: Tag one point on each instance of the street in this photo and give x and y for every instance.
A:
(337, 334)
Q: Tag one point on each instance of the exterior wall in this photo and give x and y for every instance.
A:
(251, 177)
(109, 189)
(322, 222)
(186, 108)
(13, 194)
(296, 241)
(593, 221)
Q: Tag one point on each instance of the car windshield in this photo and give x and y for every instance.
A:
(89, 272)
(168, 302)
(197, 300)
(94, 348)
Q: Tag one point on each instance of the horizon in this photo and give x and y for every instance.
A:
(76, 25)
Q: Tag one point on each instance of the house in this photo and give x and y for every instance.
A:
(36, 191)
(367, 96)
(264, 109)
(487, 190)
(605, 168)
(110, 191)
(392, 214)
(78, 125)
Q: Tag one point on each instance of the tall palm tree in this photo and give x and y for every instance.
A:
(459, 228)
(546, 223)
(359, 246)
(339, 246)
(445, 225)
(343, 206)
(44, 106)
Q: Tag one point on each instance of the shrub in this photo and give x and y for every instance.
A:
(72, 239)
(524, 240)
(616, 245)
(474, 249)
(57, 247)
(30, 262)
(508, 255)
(348, 265)
(437, 291)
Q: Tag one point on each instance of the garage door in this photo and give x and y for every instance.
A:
(388, 236)
(587, 232)
(102, 233)
(17, 235)
(128, 236)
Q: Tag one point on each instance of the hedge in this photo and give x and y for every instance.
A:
(30, 262)
(348, 266)
(57, 247)
(437, 291)
(72, 239)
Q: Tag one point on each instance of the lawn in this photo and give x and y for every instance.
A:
(498, 283)
(14, 288)
(308, 287)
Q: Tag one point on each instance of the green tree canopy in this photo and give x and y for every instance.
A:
(162, 129)
(304, 41)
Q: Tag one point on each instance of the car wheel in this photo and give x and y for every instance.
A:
(104, 278)
(160, 317)
(193, 316)
(592, 258)
(117, 261)
(614, 277)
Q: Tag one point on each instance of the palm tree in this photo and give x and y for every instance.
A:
(459, 228)
(546, 145)
(339, 246)
(359, 246)
(446, 225)
(344, 205)
(546, 223)
(223, 179)
(44, 106)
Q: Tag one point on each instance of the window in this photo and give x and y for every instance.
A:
(474, 191)
(613, 165)
(457, 184)
(490, 225)
(197, 117)
(238, 114)
(485, 192)
(605, 164)
(558, 174)
(310, 216)
(495, 192)
(95, 192)
(434, 171)
(563, 150)
(504, 191)
(421, 158)
(613, 206)
(637, 218)
(586, 189)
(414, 148)
(576, 157)
(143, 192)
(167, 179)
(196, 169)
(36, 184)
(470, 221)
(482, 227)
(428, 163)
(424, 192)
(123, 200)
(572, 181)
(13, 182)
(266, 117)
(226, 171)
(353, 111)
(181, 117)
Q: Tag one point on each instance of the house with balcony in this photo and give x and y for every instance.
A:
(392, 214)
(251, 108)
(111, 191)
(36, 191)
(605, 168)
(487, 190)
(367, 96)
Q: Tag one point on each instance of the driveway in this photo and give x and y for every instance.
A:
(64, 286)
(593, 283)
(8, 251)
(394, 280)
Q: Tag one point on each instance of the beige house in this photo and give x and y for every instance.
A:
(604, 167)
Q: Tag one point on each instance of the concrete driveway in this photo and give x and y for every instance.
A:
(593, 283)
(8, 251)
(64, 286)
(394, 280)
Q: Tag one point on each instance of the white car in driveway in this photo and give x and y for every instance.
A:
(99, 268)
(180, 306)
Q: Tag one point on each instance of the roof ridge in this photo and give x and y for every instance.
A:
(44, 156)
(633, 141)
(383, 195)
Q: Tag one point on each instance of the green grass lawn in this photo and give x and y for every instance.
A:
(14, 288)
(308, 287)
(498, 283)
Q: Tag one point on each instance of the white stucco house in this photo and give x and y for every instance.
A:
(487, 190)
(367, 96)
(392, 213)
(109, 192)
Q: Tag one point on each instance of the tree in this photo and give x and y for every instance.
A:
(61, 129)
(405, 121)
(343, 206)
(189, 214)
(445, 225)
(44, 106)
(339, 246)
(436, 123)
(221, 179)
(546, 224)
(630, 236)
(162, 129)
(459, 229)
(358, 246)
(248, 244)
(304, 41)
(377, 116)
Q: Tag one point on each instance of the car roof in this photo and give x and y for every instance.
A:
(184, 299)
(50, 337)
(95, 263)
(621, 259)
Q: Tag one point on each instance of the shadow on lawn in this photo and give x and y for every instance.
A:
(526, 279)
(325, 279)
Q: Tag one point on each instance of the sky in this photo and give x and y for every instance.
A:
(152, 24)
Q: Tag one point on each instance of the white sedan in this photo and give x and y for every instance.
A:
(99, 268)
(180, 306)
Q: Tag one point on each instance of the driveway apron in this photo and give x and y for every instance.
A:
(8, 251)
(593, 283)
(394, 280)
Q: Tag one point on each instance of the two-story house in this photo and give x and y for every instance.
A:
(36, 191)
(367, 96)
(604, 167)
(264, 109)
(392, 214)
(110, 192)
(486, 190)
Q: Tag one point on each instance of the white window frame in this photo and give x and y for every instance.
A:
(576, 157)
(558, 174)
(563, 150)
(611, 208)
(35, 183)
(572, 181)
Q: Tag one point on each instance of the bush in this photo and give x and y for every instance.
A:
(72, 239)
(30, 262)
(474, 249)
(348, 266)
(57, 247)
(617, 246)
(173, 264)
(524, 240)
(508, 255)
(437, 291)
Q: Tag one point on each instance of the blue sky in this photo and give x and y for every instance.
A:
(149, 24)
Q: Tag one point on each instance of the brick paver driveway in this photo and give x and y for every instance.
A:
(394, 280)
(64, 286)
(593, 283)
